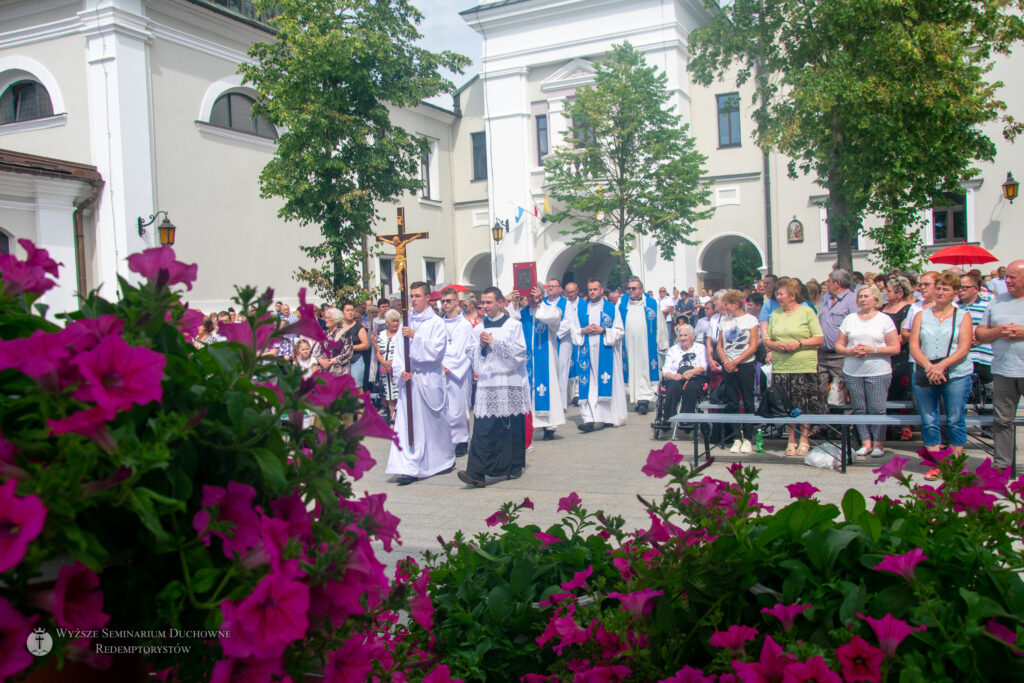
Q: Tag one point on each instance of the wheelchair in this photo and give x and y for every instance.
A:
(661, 426)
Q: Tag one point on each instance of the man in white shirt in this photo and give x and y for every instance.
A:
(457, 368)
(433, 451)
(667, 304)
(645, 337)
(598, 334)
(498, 449)
(568, 352)
(997, 285)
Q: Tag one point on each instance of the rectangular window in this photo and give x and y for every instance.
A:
(479, 156)
(425, 176)
(854, 240)
(386, 270)
(433, 271)
(728, 120)
(949, 223)
(582, 132)
(542, 138)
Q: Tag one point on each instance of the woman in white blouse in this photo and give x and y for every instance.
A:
(868, 338)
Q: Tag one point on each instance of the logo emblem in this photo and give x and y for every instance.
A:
(605, 377)
(542, 328)
(651, 314)
(39, 643)
(606, 320)
(541, 390)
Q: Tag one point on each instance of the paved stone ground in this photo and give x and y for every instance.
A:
(604, 469)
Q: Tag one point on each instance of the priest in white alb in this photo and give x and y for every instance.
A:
(645, 338)
(458, 368)
(541, 322)
(422, 376)
(598, 335)
(568, 352)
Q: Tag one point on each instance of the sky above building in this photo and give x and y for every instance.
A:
(444, 29)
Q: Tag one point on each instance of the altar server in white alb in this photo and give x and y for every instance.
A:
(645, 338)
(458, 368)
(498, 449)
(433, 451)
(598, 335)
(541, 323)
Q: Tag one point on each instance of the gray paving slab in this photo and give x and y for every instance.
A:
(603, 468)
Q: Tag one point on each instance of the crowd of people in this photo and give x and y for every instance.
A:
(853, 342)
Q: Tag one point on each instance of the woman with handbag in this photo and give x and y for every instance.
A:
(794, 335)
(940, 341)
(867, 338)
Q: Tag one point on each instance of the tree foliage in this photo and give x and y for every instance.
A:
(328, 81)
(628, 167)
(882, 100)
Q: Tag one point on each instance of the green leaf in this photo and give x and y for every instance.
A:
(853, 505)
(226, 357)
(871, 526)
(204, 580)
(853, 601)
(272, 468)
(141, 501)
(499, 603)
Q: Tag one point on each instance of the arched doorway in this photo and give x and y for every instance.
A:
(579, 263)
(730, 260)
(476, 274)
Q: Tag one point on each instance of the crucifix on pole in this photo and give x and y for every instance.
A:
(398, 241)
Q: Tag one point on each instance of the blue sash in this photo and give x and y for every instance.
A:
(541, 366)
(605, 361)
(651, 310)
(526, 318)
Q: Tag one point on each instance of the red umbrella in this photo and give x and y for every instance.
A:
(962, 254)
(457, 288)
(434, 296)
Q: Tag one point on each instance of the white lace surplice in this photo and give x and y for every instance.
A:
(501, 386)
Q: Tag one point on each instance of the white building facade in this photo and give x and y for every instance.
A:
(111, 110)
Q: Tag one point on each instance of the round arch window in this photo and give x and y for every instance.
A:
(234, 111)
(24, 101)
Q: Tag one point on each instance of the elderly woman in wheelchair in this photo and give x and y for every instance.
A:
(683, 379)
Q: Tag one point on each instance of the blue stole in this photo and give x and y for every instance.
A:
(652, 336)
(605, 360)
(537, 348)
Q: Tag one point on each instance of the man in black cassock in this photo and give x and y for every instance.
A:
(497, 450)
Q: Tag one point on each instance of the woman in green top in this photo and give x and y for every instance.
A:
(794, 336)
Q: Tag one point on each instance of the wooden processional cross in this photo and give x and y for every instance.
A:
(399, 241)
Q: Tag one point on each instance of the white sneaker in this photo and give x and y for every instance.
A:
(736, 445)
(747, 447)
(877, 453)
(530, 449)
(861, 452)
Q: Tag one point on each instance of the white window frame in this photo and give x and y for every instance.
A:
(433, 178)
(392, 285)
(438, 270)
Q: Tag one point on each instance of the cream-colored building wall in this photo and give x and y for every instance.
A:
(17, 223)
(64, 59)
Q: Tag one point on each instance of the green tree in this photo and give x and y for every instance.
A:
(882, 100)
(629, 167)
(745, 263)
(328, 80)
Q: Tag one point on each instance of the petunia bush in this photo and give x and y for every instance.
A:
(150, 488)
(922, 587)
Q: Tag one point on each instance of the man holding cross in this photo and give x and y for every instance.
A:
(433, 451)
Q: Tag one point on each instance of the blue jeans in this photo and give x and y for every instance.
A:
(954, 393)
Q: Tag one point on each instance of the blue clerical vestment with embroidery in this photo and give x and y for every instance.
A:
(605, 358)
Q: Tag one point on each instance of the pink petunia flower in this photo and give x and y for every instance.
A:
(638, 603)
(1001, 632)
(307, 325)
(566, 629)
(992, 478)
(242, 333)
(497, 518)
(569, 502)
(890, 631)
(234, 505)
(936, 458)
(973, 498)
(159, 265)
(902, 564)
(814, 669)
(370, 510)
(15, 629)
(250, 670)
(421, 609)
(40, 258)
(28, 276)
(527, 503)
(21, 521)
(611, 673)
(86, 333)
(546, 539)
(734, 637)
(363, 579)
(91, 423)
(327, 388)
(370, 423)
(893, 468)
(579, 579)
(770, 666)
(40, 356)
(801, 490)
(118, 375)
(271, 617)
(362, 462)
(440, 674)
(688, 675)
(292, 510)
(787, 614)
(353, 661)
(77, 601)
(659, 461)
(860, 661)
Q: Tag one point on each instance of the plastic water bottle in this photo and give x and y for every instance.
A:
(795, 412)
(759, 442)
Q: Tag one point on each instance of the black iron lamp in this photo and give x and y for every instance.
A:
(498, 231)
(166, 228)
(1010, 187)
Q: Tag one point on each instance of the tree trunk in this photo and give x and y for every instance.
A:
(838, 218)
(623, 270)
